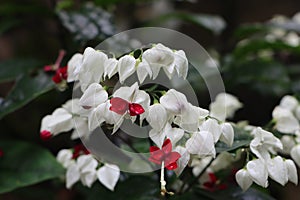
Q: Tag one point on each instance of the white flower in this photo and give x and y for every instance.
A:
(292, 171)
(244, 179)
(59, 121)
(157, 116)
(258, 172)
(289, 102)
(263, 143)
(83, 169)
(288, 143)
(183, 160)
(92, 67)
(64, 157)
(74, 65)
(202, 144)
(295, 154)
(160, 56)
(181, 63)
(93, 96)
(126, 67)
(175, 102)
(110, 67)
(277, 170)
(143, 70)
(109, 175)
(285, 120)
(212, 126)
(224, 106)
(227, 135)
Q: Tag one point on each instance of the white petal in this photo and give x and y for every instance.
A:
(72, 175)
(59, 121)
(109, 175)
(64, 157)
(258, 172)
(202, 144)
(289, 102)
(295, 154)
(74, 65)
(97, 116)
(126, 93)
(181, 63)
(224, 106)
(227, 133)
(174, 101)
(92, 67)
(277, 170)
(174, 134)
(285, 120)
(157, 116)
(88, 178)
(157, 137)
(126, 67)
(212, 126)
(110, 67)
(81, 128)
(86, 163)
(292, 171)
(243, 179)
(183, 160)
(93, 96)
(143, 70)
(159, 56)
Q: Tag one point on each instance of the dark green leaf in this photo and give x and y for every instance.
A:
(234, 193)
(25, 164)
(135, 187)
(25, 89)
(246, 31)
(11, 69)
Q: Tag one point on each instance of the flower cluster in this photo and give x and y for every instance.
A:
(184, 134)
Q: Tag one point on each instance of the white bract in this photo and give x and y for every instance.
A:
(286, 122)
(224, 106)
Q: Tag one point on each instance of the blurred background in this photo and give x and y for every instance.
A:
(255, 44)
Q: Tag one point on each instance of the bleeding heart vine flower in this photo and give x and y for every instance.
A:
(164, 156)
(121, 106)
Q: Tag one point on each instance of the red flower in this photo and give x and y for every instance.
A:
(165, 155)
(60, 75)
(121, 106)
(214, 184)
(79, 150)
(45, 135)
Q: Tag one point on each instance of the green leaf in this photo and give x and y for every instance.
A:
(248, 30)
(11, 69)
(25, 89)
(24, 164)
(234, 193)
(135, 187)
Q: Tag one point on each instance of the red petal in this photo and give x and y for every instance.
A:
(1, 153)
(48, 68)
(135, 109)
(167, 146)
(157, 155)
(172, 166)
(63, 71)
(222, 186)
(56, 78)
(209, 186)
(45, 135)
(171, 158)
(212, 177)
(154, 148)
(118, 105)
(154, 160)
